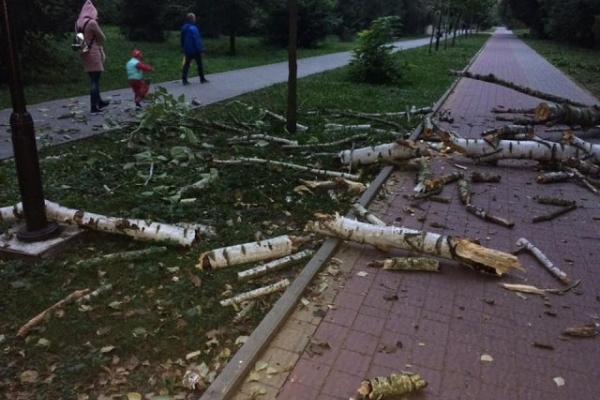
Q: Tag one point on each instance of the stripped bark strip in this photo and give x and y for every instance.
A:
(481, 213)
(407, 264)
(274, 265)
(554, 177)
(276, 247)
(399, 150)
(524, 289)
(314, 171)
(253, 294)
(481, 177)
(568, 114)
(491, 78)
(524, 244)
(256, 137)
(95, 293)
(462, 250)
(121, 256)
(554, 214)
(367, 215)
(24, 330)
(329, 144)
(464, 191)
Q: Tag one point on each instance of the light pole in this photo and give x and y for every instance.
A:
(37, 227)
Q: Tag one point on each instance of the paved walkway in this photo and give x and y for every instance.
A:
(49, 116)
(461, 331)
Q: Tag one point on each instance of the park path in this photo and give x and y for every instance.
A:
(50, 124)
(468, 337)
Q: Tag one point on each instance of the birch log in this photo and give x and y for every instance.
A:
(399, 150)
(253, 294)
(276, 247)
(137, 229)
(462, 250)
(538, 150)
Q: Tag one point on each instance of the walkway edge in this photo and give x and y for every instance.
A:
(224, 386)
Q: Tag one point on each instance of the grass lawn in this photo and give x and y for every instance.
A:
(135, 337)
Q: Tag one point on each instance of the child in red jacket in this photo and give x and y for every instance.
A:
(135, 73)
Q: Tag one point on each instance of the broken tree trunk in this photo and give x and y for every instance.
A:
(407, 264)
(538, 150)
(399, 150)
(274, 265)
(462, 250)
(135, 228)
(567, 114)
(253, 294)
(249, 252)
(524, 244)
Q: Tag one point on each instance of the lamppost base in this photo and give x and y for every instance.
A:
(51, 230)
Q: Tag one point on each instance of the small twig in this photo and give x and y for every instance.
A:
(150, 174)
(546, 263)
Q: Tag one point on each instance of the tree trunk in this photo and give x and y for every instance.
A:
(459, 249)
(567, 114)
(399, 150)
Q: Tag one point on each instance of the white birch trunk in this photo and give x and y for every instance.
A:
(253, 294)
(399, 150)
(462, 250)
(245, 253)
(137, 229)
(11, 213)
(538, 150)
(367, 215)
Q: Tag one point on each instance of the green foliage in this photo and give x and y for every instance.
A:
(142, 20)
(373, 61)
(316, 20)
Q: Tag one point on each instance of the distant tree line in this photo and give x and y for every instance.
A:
(571, 21)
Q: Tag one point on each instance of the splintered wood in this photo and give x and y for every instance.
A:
(390, 387)
(462, 250)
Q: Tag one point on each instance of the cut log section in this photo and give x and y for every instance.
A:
(567, 114)
(399, 150)
(462, 250)
(276, 247)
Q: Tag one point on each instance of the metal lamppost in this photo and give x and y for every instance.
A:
(37, 227)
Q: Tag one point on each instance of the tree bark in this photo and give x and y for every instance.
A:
(567, 114)
(462, 250)
(274, 265)
(253, 294)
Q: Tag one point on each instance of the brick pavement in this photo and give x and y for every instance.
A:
(441, 324)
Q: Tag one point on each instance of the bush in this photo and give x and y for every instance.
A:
(373, 61)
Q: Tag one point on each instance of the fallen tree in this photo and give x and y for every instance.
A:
(465, 251)
(398, 150)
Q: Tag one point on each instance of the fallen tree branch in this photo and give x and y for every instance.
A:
(491, 78)
(328, 144)
(314, 171)
(567, 114)
(336, 184)
(462, 250)
(485, 177)
(481, 213)
(282, 119)
(554, 214)
(207, 179)
(524, 244)
(367, 215)
(121, 256)
(95, 293)
(253, 294)
(392, 387)
(24, 330)
(254, 137)
(407, 264)
(274, 265)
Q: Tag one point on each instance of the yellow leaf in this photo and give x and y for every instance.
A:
(134, 396)
(107, 349)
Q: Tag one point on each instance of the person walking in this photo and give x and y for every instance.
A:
(92, 59)
(135, 74)
(192, 46)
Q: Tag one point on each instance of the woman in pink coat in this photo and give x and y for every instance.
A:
(93, 59)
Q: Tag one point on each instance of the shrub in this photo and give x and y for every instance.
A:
(373, 61)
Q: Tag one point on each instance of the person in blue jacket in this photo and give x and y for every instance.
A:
(191, 43)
